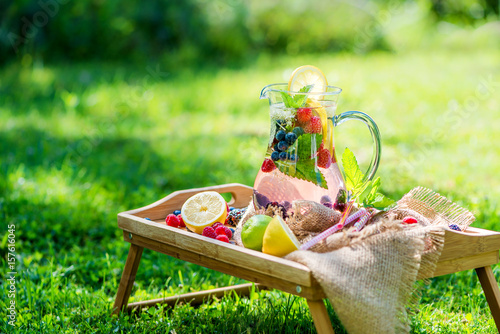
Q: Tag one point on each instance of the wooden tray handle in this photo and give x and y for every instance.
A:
(240, 198)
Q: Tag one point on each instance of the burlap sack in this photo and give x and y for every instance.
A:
(369, 276)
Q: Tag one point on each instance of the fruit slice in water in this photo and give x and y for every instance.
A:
(204, 209)
(252, 232)
(307, 75)
(279, 240)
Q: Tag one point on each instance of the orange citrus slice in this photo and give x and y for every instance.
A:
(204, 209)
(307, 75)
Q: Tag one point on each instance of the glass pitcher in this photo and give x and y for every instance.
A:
(300, 161)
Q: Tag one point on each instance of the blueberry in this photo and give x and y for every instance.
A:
(298, 131)
(280, 135)
(293, 157)
(231, 208)
(282, 145)
(455, 227)
(177, 212)
(276, 148)
(275, 155)
(147, 218)
(283, 156)
(290, 138)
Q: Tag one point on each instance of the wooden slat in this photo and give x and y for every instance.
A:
(223, 252)
(472, 241)
(199, 297)
(128, 278)
(241, 196)
(466, 263)
(309, 287)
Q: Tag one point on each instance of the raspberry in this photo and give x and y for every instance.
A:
(209, 232)
(314, 125)
(324, 158)
(215, 225)
(224, 230)
(220, 230)
(268, 166)
(454, 227)
(222, 237)
(227, 207)
(339, 206)
(409, 220)
(181, 221)
(172, 220)
(304, 115)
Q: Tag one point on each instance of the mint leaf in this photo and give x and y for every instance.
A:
(381, 202)
(300, 99)
(352, 174)
(289, 101)
(305, 168)
(370, 192)
(304, 144)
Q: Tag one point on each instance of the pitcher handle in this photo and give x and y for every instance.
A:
(361, 116)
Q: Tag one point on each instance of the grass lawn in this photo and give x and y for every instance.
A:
(81, 142)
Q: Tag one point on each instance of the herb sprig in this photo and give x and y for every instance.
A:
(366, 193)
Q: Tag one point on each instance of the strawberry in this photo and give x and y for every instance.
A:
(304, 115)
(172, 220)
(268, 166)
(222, 237)
(181, 221)
(314, 125)
(324, 158)
(209, 232)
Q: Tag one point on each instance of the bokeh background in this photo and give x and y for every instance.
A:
(110, 105)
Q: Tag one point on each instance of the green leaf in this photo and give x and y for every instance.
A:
(352, 174)
(371, 190)
(381, 202)
(305, 168)
(300, 99)
(289, 101)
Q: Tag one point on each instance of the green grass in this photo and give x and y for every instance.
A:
(81, 142)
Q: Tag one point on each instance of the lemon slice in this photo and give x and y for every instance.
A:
(204, 209)
(279, 240)
(307, 75)
(327, 141)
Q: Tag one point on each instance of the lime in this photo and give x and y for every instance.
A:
(253, 231)
(279, 240)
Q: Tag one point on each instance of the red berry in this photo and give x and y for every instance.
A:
(227, 207)
(268, 166)
(209, 232)
(229, 234)
(172, 220)
(324, 158)
(222, 238)
(220, 230)
(215, 225)
(409, 220)
(304, 115)
(314, 125)
(181, 221)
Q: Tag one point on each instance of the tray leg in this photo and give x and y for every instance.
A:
(320, 316)
(491, 291)
(128, 278)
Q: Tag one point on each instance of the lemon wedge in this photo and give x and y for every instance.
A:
(307, 75)
(279, 240)
(204, 209)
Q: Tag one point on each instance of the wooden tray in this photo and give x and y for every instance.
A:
(473, 249)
